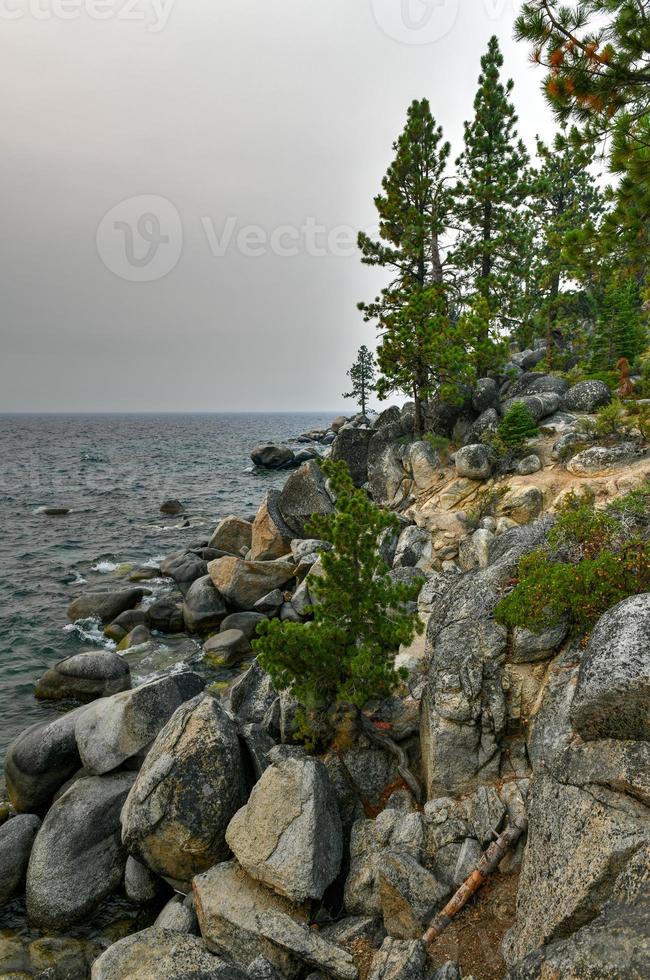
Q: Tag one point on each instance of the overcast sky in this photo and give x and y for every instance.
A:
(181, 179)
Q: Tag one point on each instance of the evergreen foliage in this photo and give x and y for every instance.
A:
(516, 426)
(362, 375)
(347, 654)
(593, 559)
(619, 331)
(494, 241)
(422, 349)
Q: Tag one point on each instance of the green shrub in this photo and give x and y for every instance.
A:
(516, 426)
(346, 656)
(439, 444)
(591, 562)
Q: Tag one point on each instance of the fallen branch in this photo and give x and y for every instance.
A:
(486, 866)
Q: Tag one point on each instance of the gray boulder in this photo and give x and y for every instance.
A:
(399, 961)
(351, 447)
(40, 760)
(165, 615)
(226, 649)
(529, 465)
(303, 495)
(271, 457)
(612, 699)
(387, 479)
(528, 648)
(16, 840)
(171, 507)
(254, 700)
(488, 421)
(247, 622)
(409, 895)
(104, 605)
(84, 677)
(243, 583)
(305, 944)
(179, 915)
(270, 604)
(140, 884)
(190, 785)
(586, 396)
(228, 905)
(540, 405)
(370, 841)
(485, 394)
(77, 859)
(163, 954)
(474, 462)
(288, 836)
(204, 607)
(184, 567)
(599, 460)
(414, 546)
(111, 730)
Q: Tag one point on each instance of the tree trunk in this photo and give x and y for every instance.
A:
(552, 317)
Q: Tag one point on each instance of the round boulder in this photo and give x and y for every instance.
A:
(226, 649)
(272, 457)
(204, 606)
(84, 677)
(171, 507)
(586, 396)
(16, 839)
(474, 462)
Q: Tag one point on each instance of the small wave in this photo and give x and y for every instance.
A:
(104, 567)
(78, 579)
(90, 631)
(153, 562)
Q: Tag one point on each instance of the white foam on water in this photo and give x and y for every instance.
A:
(90, 631)
(104, 567)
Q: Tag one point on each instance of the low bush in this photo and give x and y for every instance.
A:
(517, 425)
(592, 560)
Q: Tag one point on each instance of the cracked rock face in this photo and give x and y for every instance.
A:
(175, 817)
(289, 835)
(164, 954)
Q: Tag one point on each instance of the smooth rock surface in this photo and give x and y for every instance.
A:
(474, 462)
(84, 677)
(271, 538)
(111, 730)
(77, 858)
(161, 954)
(227, 649)
(232, 534)
(40, 760)
(243, 583)
(303, 495)
(204, 607)
(104, 605)
(16, 840)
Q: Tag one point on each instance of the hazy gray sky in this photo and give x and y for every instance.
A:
(244, 137)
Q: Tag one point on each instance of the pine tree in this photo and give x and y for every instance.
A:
(493, 245)
(347, 654)
(421, 347)
(362, 375)
(619, 331)
(517, 425)
(567, 205)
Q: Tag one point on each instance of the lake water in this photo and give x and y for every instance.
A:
(113, 472)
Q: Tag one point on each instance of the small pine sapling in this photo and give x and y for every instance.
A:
(518, 424)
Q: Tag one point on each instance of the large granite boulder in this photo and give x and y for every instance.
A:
(254, 700)
(414, 546)
(162, 954)
(288, 836)
(111, 730)
(485, 394)
(398, 960)
(184, 567)
(600, 460)
(586, 396)
(409, 895)
(423, 463)
(40, 760)
(165, 615)
(271, 538)
(242, 583)
(612, 699)
(579, 838)
(370, 841)
(303, 495)
(84, 677)
(226, 649)
(387, 478)
(351, 448)
(228, 904)
(104, 605)
(232, 534)
(77, 858)
(298, 940)
(16, 840)
(204, 607)
(540, 406)
(190, 786)
(474, 462)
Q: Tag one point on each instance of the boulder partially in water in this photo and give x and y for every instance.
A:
(77, 858)
(204, 606)
(85, 677)
(40, 760)
(162, 953)
(105, 605)
(16, 840)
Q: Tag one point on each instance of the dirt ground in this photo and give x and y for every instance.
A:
(474, 937)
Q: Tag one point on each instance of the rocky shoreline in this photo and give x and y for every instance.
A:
(247, 857)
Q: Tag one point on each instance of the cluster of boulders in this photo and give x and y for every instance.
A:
(254, 859)
(270, 456)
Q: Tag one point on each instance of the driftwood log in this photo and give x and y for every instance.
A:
(486, 866)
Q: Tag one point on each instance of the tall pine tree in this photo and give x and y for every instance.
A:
(493, 241)
(420, 350)
(566, 206)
